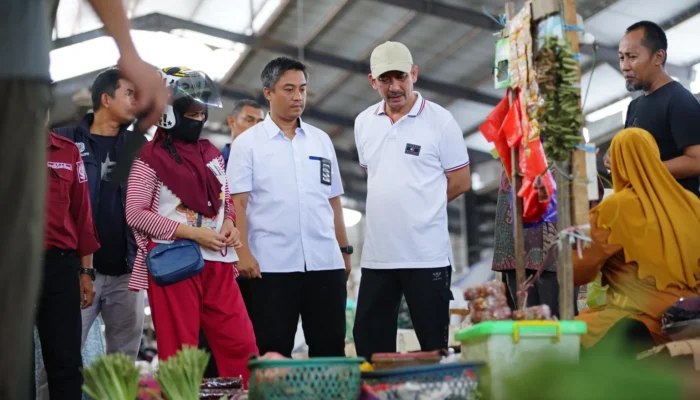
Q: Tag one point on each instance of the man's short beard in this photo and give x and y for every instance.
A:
(632, 87)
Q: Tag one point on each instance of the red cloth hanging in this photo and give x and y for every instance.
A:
(505, 127)
(492, 131)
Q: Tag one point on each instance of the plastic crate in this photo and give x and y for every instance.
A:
(461, 380)
(331, 378)
(506, 346)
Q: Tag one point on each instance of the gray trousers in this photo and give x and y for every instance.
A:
(122, 313)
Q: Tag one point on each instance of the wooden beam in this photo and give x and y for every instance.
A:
(516, 183)
(564, 198)
(447, 11)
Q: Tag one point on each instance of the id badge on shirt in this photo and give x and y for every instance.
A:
(325, 170)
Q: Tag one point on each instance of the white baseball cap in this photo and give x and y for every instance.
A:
(390, 56)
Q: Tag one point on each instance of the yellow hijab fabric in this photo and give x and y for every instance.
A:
(652, 216)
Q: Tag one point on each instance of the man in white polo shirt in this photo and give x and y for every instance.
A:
(416, 161)
(286, 187)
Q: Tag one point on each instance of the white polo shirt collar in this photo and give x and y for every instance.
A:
(416, 110)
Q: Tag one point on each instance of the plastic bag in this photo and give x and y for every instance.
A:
(513, 71)
(493, 288)
(597, 293)
(531, 158)
(488, 302)
(512, 127)
(537, 195)
(491, 129)
(550, 213)
(683, 310)
(501, 74)
(493, 314)
(538, 185)
(541, 312)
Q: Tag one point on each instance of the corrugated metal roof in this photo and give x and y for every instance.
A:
(609, 25)
(360, 27)
(313, 14)
(445, 50)
(339, 35)
(683, 42)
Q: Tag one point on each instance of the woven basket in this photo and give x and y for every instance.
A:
(333, 378)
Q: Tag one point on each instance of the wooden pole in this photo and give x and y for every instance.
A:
(580, 205)
(516, 183)
(565, 195)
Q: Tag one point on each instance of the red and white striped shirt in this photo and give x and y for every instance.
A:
(142, 205)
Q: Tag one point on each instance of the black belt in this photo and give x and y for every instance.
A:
(55, 253)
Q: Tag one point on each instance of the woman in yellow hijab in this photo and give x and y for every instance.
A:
(645, 243)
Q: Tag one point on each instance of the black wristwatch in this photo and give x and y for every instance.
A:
(89, 272)
(347, 250)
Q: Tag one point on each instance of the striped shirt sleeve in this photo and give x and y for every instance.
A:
(229, 211)
(141, 188)
(229, 208)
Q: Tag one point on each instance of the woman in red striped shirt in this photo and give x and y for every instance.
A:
(178, 190)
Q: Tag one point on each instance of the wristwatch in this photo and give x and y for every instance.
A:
(89, 272)
(347, 250)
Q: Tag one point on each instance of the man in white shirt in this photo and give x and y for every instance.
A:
(416, 161)
(286, 186)
(245, 114)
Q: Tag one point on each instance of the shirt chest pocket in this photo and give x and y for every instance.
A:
(93, 169)
(419, 153)
(319, 172)
(59, 185)
(265, 168)
(318, 169)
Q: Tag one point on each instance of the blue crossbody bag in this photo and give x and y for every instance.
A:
(175, 262)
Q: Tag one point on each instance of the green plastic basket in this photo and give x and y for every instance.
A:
(519, 329)
(327, 378)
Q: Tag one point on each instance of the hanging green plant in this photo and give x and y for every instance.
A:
(561, 120)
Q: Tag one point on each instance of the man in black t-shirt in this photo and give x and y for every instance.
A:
(100, 138)
(667, 110)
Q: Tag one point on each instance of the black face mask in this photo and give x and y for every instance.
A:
(188, 130)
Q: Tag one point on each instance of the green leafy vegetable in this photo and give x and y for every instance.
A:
(180, 377)
(112, 377)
